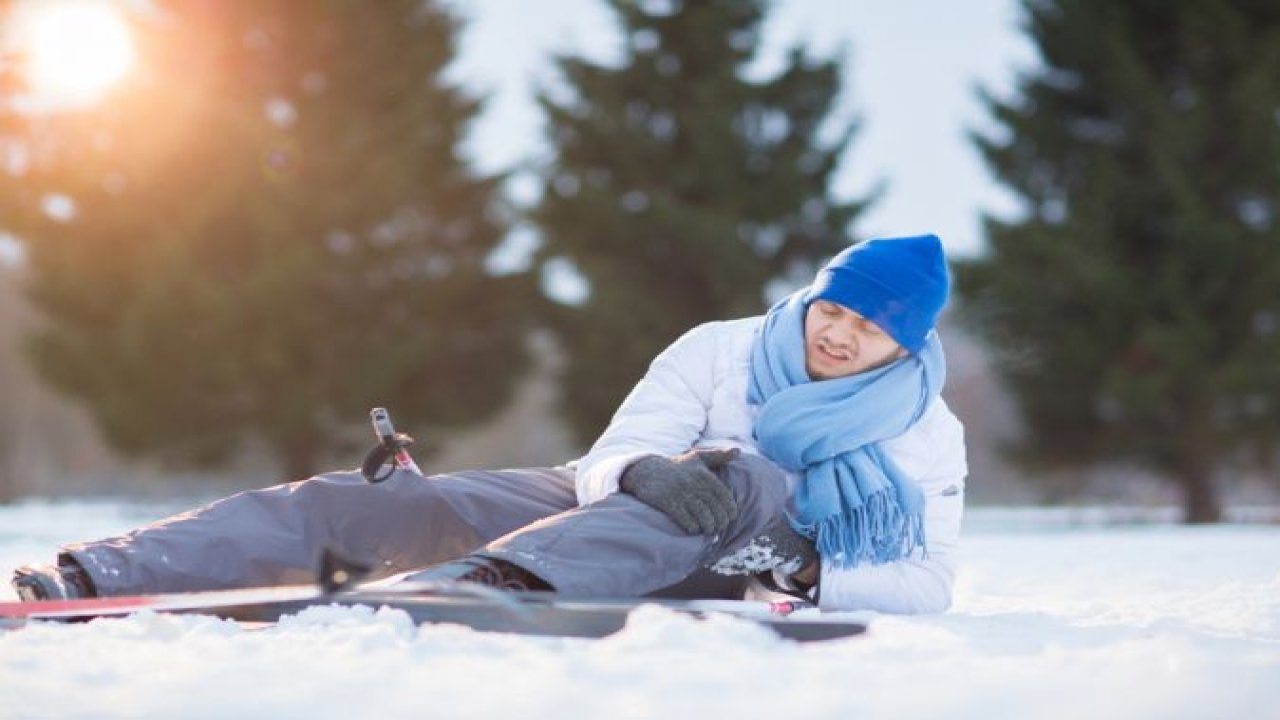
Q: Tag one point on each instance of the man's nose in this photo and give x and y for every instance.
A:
(840, 335)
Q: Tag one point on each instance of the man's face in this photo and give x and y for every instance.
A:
(839, 342)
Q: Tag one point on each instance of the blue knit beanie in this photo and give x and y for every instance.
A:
(900, 284)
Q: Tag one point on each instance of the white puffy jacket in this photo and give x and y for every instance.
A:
(695, 395)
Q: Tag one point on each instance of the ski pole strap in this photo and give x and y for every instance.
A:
(381, 454)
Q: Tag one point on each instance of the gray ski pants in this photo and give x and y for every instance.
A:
(617, 546)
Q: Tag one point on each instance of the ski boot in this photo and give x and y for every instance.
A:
(67, 580)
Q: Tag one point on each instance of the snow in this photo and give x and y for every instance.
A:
(1053, 619)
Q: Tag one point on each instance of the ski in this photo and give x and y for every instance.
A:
(484, 609)
(96, 607)
(538, 613)
(477, 606)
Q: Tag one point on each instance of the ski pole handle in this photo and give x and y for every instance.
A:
(391, 445)
(388, 436)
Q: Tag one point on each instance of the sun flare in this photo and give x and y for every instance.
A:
(75, 49)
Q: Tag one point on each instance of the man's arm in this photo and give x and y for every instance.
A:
(910, 586)
(916, 584)
(665, 414)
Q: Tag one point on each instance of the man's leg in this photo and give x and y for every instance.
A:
(620, 546)
(275, 535)
(705, 584)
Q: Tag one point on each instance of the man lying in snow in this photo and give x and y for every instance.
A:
(804, 451)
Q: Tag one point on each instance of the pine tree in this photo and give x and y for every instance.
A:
(1137, 303)
(273, 230)
(681, 189)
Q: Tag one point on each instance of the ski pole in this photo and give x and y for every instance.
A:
(391, 445)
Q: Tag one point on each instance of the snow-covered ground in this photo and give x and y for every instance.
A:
(1052, 620)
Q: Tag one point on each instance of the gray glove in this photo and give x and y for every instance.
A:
(777, 547)
(686, 488)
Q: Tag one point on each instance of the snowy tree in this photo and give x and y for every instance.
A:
(681, 188)
(266, 231)
(1137, 303)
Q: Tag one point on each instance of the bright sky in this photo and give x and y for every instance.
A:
(912, 69)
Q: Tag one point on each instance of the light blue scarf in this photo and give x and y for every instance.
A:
(853, 501)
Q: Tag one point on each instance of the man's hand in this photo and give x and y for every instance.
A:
(685, 488)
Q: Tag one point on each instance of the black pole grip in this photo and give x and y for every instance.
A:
(378, 456)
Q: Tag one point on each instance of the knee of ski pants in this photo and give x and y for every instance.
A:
(344, 504)
(758, 486)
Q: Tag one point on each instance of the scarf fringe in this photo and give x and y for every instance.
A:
(877, 531)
